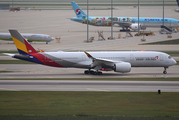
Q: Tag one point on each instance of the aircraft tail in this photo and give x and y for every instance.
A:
(177, 2)
(23, 47)
(78, 11)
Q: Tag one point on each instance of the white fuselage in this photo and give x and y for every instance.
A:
(136, 58)
(32, 37)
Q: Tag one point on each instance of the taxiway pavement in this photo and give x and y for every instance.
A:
(106, 86)
(40, 71)
(57, 23)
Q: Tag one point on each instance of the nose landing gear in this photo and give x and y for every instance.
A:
(165, 70)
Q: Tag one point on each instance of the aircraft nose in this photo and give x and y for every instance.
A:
(52, 38)
(174, 62)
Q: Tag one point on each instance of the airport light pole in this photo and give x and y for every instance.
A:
(87, 24)
(162, 29)
(163, 12)
(111, 19)
(12, 4)
(138, 17)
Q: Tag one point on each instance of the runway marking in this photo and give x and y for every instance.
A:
(142, 75)
(98, 90)
(49, 77)
(8, 89)
(2, 68)
(125, 76)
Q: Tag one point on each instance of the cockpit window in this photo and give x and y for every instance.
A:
(169, 57)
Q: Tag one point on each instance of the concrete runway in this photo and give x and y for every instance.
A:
(106, 86)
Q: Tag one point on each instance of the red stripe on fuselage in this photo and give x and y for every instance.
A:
(46, 60)
(39, 56)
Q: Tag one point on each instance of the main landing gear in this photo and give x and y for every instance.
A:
(92, 72)
(165, 70)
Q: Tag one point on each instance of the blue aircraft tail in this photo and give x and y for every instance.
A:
(177, 2)
(78, 11)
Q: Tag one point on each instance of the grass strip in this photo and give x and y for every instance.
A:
(9, 51)
(89, 103)
(103, 79)
(166, 42)
(15, 62)
(172, 53)
(5, 71)
(74, 117)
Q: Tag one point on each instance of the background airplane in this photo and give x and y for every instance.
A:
(177, 10)
(124, 22)
(29, 37)
(118, 61)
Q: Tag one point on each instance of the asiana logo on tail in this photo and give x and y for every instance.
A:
(78, 11)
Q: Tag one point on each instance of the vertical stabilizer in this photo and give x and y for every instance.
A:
(78, 11)
(22, 45)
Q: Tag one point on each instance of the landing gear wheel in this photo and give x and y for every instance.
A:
(100, 73)
(164, 72)
(94, 73)
(86, 72)
(97, 73)
(91, 72)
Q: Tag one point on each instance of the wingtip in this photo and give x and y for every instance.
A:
(88, 54)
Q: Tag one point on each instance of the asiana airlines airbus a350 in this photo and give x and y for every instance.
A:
(124, 22)
(94, 62)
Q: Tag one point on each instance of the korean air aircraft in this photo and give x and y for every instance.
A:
(124, 22)
(118, 61)
(29, 37)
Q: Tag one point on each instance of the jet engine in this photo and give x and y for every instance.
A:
(135, 27)
(122, 67)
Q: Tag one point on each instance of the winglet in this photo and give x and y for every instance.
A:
(88, 55)
(41, 50)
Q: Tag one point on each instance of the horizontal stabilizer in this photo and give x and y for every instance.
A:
(9, 54)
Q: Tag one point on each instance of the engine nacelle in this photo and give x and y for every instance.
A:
(122, 67)
(135, 27)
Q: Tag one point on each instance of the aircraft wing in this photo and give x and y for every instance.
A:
(99, 63)
(122, 24)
